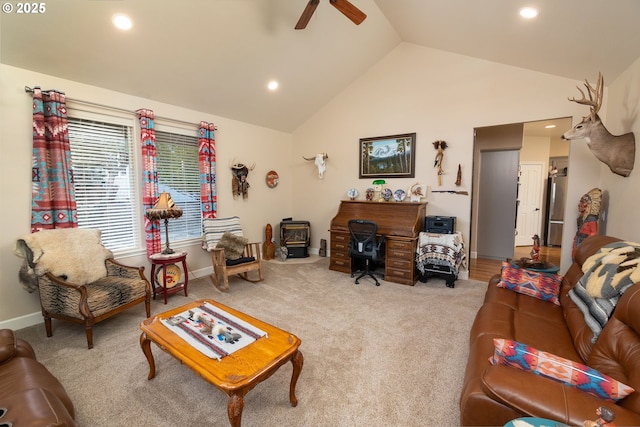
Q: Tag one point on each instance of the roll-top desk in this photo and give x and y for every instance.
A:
(400, 222)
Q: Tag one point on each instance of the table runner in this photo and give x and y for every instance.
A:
(189, 325)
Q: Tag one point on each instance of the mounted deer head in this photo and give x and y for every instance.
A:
(319, 161)
(239, 183)
(617, 152)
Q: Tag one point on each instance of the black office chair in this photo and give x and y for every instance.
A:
(365, 246)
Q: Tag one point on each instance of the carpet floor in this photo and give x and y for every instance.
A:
(373, 356)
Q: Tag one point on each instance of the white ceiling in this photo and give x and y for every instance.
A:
(216, 56)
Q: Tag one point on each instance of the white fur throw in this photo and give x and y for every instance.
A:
(75, 253)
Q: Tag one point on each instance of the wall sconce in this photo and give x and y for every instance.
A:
(164, 208)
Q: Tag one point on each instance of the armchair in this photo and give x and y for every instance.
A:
(231, 253)
(78, 279)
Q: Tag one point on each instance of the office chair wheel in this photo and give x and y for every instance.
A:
(357, 282)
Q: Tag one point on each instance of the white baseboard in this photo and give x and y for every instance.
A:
(22, 321)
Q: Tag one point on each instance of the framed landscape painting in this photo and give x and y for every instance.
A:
(391, 156)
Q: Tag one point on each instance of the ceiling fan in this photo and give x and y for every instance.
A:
(347, 9)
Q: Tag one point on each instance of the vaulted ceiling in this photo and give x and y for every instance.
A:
(216, 56)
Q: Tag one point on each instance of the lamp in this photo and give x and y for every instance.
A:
(164, 208)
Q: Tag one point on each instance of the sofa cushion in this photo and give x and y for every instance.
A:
(544, 286)
(36, 407)
(524, 357)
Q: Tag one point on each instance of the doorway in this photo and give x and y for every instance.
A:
(536, 142)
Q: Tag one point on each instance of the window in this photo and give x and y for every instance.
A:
(179, 175)
(104, 153)
(104, 179)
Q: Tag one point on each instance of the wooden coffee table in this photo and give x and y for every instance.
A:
(235, 374)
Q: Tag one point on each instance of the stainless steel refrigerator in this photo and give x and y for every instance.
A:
(556, 196)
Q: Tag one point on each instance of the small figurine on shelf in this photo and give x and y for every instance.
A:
(605, 418)
(535, 252)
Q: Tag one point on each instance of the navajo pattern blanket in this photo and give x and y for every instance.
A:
(191, 326)
(607, 275)
(440, 249)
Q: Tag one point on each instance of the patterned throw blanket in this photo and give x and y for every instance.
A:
(607, 274)
(212, 331)
(612, 269)
(440, 249)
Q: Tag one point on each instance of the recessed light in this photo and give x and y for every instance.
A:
(549, 126)
(122, 22)
(528, 12)
(273, 85)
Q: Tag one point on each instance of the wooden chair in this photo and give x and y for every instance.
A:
(78, 279)
(231, 253)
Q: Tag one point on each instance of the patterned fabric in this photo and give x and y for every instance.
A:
(440, 249)
(596, 311)
(544, 286)
(521, 356)
(103, 295)
(214, 229)
(150, 179)
(207, 161)
(611, 270)
(53, 202)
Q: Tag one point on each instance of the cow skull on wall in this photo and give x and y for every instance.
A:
(617, 152)
(239, 183)
(319, 162)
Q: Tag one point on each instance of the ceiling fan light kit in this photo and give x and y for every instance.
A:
(344, 6)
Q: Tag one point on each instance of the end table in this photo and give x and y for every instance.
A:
(163, 260)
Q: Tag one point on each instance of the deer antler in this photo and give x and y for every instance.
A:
(595, 96)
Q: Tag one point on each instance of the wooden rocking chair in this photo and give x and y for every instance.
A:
(230, 252)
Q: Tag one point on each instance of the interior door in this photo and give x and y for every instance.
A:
(497, 195)
(530, 182)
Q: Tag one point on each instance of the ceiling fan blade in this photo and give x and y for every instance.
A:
(349, 10)
(306, 14)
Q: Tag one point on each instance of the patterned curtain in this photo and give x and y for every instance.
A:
(53, 202)
(150, 179)
(207, 160)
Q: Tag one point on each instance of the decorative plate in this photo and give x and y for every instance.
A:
(386, 194)
(172, 274)
(399, 195)
(272, 179)
(352, 193)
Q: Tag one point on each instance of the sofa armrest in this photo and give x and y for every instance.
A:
(11, 346)
(8, 345)
(537, 396)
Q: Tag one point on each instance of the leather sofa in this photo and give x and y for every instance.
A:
(30, 396)
(496, 394)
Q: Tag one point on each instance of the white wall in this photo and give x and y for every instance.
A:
(439, 95)
(268, 148)
(623, 115)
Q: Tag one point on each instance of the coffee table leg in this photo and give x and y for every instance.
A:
(297, 360)
(145, 344)
(234, 409)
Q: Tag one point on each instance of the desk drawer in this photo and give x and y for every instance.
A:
(399, 245)
(402, 276)
(399, 263)
(337, 264)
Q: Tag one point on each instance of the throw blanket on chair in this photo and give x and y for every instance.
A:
(74, 253)
(440, 249)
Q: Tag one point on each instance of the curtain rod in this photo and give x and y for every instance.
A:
(121, 110)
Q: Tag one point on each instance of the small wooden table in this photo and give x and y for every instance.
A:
(235, 374)
(163, 260)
